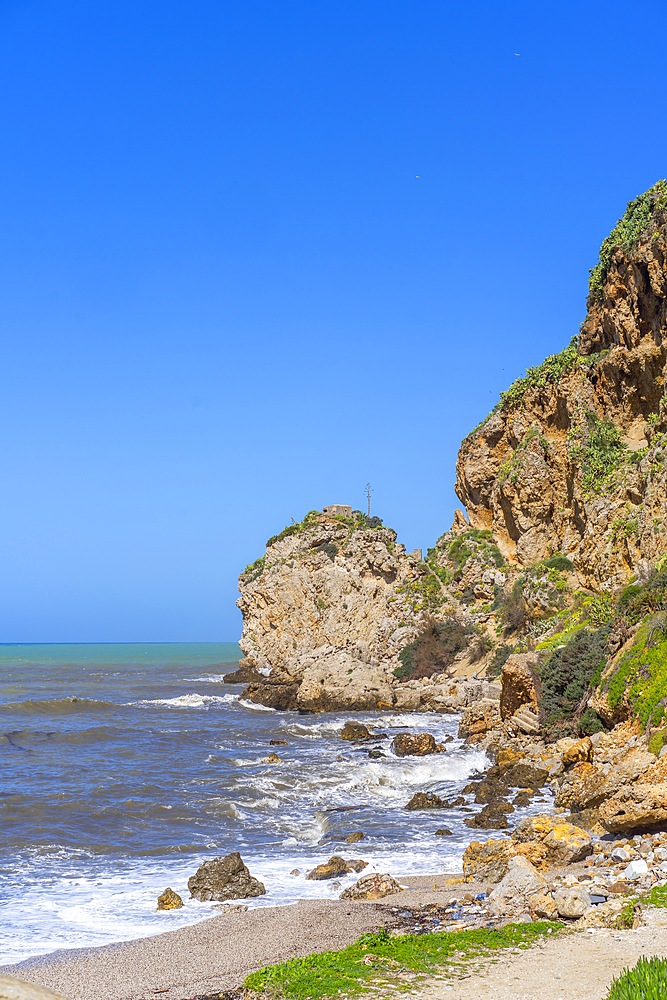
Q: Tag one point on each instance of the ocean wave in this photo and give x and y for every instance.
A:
(254, 707)
(58, 706)
(206, 679)
(194, 700)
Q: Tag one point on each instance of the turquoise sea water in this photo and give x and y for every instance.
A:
(124, 766)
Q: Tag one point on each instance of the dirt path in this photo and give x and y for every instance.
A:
(577, 966)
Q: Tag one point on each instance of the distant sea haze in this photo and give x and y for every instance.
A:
(124, 766)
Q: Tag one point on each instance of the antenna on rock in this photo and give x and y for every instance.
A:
(368, 491)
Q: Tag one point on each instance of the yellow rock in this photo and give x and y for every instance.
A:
(581, 751)
(169, 900)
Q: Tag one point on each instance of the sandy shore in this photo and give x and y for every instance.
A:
(218, 953)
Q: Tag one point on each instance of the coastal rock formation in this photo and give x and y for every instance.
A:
(571, 460)
(224, 878)
(326, 612)
(426, 800)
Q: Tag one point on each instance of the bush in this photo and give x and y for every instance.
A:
(569, 673)
(558, 562)
(434, 649)
(636, 601)
(499, 659)
(600, 454)
(513, 609)
(646, 981)
(590, 722)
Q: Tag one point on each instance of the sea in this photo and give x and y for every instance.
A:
(124, 766)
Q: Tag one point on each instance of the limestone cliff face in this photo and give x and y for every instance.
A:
(326, 612)
(574, 458)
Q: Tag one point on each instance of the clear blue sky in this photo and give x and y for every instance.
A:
(256, 254)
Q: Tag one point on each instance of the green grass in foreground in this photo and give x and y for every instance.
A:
(380, 958)
(646, 981)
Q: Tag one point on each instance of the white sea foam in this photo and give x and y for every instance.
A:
(190, 701)
(254, 707)
(206, 679)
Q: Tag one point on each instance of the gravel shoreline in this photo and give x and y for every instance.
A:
(216, 954)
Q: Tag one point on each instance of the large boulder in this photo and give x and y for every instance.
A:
(511, 896)
(519, 685)
(492, 816)
(572, 903)
(635, 807)
(525, 775)
(224, 878)
(415, 745)
(549, 841)
(487, 861)
(373, 886)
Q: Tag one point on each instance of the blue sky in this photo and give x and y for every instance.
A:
(254, 255)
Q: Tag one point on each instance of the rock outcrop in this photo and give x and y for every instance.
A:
(224, 878)
(326, 612)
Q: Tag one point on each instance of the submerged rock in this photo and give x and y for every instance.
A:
(224, 878)
(444, 831)
(426, 800)
(355, 732)
(354, 838)
(373, 886)
(169, 900)
(335, 867)
(415, 745)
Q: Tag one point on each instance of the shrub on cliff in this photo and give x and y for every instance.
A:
(627, 232)
(434, 649)
(569, 673)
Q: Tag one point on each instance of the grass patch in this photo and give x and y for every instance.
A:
(380, 958)
(646, 981)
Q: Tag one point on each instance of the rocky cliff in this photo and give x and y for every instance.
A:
(329, 611)
(572, 459)
(563, 558)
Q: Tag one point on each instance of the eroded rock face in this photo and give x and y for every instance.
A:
(635, 807)
(521, 473)
(325, 614)
(224, 878)
(487, 861)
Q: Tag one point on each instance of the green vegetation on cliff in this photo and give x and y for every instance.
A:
(627, 232)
